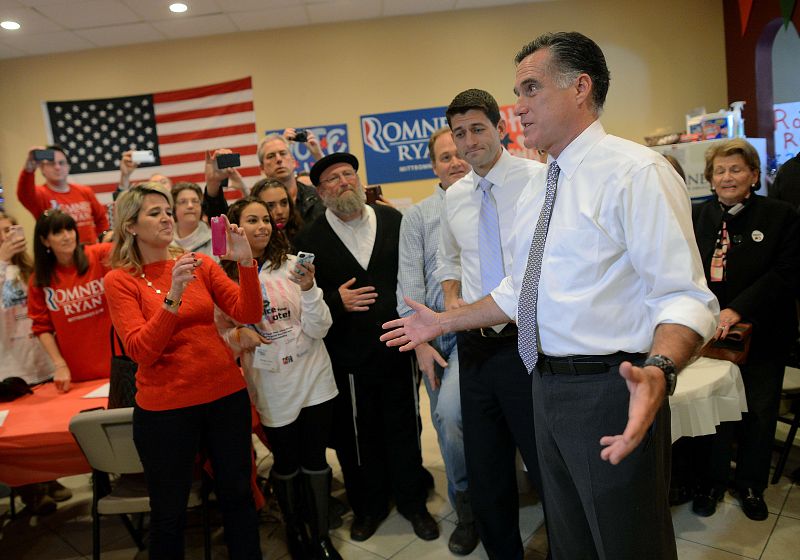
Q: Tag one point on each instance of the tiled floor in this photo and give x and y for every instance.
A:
(727, 535)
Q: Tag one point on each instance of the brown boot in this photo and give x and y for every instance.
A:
(36, 500)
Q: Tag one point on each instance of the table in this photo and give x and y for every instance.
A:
(708, 392)
(35, 442)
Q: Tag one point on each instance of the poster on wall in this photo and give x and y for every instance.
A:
(787, 131)
(178, 126)
(331, 137)
(396, 144)
(515, 140)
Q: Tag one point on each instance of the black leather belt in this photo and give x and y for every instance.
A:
(488, 332)
(584, 365)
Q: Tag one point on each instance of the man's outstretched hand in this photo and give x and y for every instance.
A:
(409, 332)
(647, 387)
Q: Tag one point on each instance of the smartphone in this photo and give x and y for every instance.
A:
(143, 156)
(373, 193)
(228, 160)
(305, 258)
(16, 232)
(219, 238)
(44, 155)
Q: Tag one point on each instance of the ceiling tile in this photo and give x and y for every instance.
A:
(30, 21)
(344, 10)
(406, 7)
(96, 13)
(43, 43)
(254, 5)
(113, 35)
(270, 19)
(192, 27)
(152, 10)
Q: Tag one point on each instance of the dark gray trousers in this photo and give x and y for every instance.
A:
(596, 510)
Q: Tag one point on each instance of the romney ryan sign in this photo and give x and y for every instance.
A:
(396, 144)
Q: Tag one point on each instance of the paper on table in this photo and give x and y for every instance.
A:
(100, 393)
(3, 414)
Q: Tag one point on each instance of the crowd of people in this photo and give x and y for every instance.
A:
(550, 306)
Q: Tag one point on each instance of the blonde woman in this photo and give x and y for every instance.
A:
(189, 388)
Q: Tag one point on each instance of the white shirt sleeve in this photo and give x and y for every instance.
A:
(449, 257)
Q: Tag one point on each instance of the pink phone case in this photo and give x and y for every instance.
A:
(219, 241)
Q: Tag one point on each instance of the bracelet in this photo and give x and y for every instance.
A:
(171, 303)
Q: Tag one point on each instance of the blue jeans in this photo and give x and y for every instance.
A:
(446, 416)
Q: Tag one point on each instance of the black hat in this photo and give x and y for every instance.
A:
(329, 160)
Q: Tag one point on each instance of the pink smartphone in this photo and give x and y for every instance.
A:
(16, 232)
(219, 238)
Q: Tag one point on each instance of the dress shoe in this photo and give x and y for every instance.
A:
(424, 525)
(58, 492)
(706, 500)
(753, 503)
(364, 526)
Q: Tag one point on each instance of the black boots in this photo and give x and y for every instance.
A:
(464, 538)
(304, 503)
(289, 491)
(317, 486)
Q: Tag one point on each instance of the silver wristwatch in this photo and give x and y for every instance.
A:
(668, 367)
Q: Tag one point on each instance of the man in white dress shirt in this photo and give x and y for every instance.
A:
(611, 303)
(474, 257)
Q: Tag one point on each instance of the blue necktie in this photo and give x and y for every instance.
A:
(529, 292)
(490, 249)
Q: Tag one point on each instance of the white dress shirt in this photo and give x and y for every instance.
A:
(620, 256)
(357, 235)
(459, 258)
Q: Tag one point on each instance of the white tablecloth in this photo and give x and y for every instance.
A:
(708, 392)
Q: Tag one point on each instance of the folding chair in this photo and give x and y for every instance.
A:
(791, 393)
(106, 439)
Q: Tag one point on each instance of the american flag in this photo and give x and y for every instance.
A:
(177, 125)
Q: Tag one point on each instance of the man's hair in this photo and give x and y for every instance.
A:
(573, 54)
(474, 99)
(58, 148)
(269, 138)
(432, 141)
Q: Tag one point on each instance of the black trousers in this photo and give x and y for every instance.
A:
(302, 443)
(754, 433)
(596, 510)
(497, 415)
(168, 442)
(376, 438)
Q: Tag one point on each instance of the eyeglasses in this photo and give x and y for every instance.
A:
(334, 179)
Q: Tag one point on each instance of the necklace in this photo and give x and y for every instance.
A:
(150, 284)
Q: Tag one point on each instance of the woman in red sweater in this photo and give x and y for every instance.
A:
(190, 392)
(67, 302)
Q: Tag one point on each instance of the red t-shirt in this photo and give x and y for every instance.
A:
(75, 310)
(79, 202)
(182, 359)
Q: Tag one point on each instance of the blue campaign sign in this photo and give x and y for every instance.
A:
(332, 138)
(396, 144)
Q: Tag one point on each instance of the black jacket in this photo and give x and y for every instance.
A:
(762, 276)
(352, 341)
